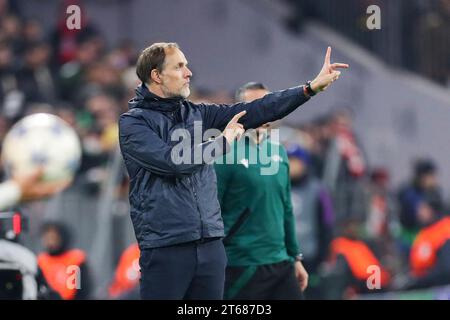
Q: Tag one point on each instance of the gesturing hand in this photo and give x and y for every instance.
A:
(328, 74)
(234, 129)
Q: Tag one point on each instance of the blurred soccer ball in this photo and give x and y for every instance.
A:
(42, 139)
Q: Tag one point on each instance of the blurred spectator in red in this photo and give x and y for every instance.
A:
(57, 261)
(126, 278)
(424, 188)
(66, 42)
(430, 252)
(380, 204)
(344, 167)
(382, 225)
(351, 264)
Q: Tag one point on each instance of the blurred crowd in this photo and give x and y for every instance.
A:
(413, 34)
(70, 73)
(348, 215)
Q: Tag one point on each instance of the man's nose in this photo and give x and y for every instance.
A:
(188, 73)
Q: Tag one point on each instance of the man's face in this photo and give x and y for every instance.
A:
(249, 96)
(429, 181)
(175, 75)
(51, 240)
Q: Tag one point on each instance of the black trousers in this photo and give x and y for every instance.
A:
(275, 281)
(194, 270)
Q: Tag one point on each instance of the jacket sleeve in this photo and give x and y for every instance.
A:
(271, 107)
(141, 143)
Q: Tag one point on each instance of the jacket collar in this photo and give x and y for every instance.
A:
(148, 100)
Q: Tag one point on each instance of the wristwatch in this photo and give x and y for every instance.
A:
(299, 257)
(309, 90)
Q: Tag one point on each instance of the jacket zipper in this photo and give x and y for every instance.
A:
(198, 208)
(196, 200)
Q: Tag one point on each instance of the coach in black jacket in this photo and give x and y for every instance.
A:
(174, 207)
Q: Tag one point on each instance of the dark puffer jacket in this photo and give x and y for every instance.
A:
(174, 203)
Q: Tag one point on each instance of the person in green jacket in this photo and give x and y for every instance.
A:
(264, 261)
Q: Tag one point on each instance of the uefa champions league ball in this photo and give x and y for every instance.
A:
(42, 140)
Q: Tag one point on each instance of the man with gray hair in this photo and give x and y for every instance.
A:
(174, 207)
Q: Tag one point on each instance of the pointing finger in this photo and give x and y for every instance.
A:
(238, 116)
(328, 56)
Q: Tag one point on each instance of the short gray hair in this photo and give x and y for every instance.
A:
(151, 58)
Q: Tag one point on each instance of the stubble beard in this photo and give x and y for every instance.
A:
(184, 92)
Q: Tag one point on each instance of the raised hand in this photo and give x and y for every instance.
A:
(328, 74)
(234, 129)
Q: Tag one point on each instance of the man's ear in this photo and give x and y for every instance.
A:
(154, 75)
